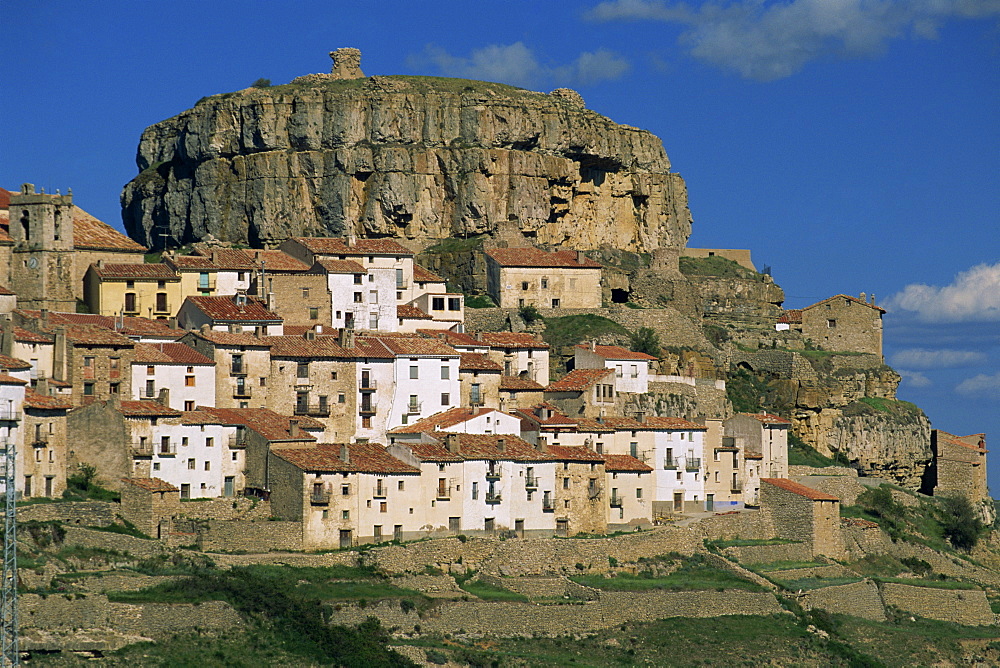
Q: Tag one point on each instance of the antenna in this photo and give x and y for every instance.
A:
(8, 599)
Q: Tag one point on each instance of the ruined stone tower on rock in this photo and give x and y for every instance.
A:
(346, 63)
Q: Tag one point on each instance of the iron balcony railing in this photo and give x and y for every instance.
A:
(493, 474)
(142, 449)
(531, 481)
(669, 463)
(413, 408)
(594, 492)
(379, 492)
(493, 498)
(237, 442)
(548, 505)
(315, 410)
(244, 392)
(692, 464)
(443, 493)
(10, 415)
(367, 385)
(616, 500)
(319, 498)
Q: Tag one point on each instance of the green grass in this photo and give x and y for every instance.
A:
(785, 565)
(931, 584)
(748, 542)
(694, 574)
(573, 329)
(880, 406)
(745, 390)
(801, 454)
(125, 528)
(816, 582)
(715, 266)
(490, 592)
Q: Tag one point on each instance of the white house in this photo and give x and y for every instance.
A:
(187, 375)
(766, 434)
(200, 458)
(238, 313)
(631, 368)
(521, 354)
(630, 485)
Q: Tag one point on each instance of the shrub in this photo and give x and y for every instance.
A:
(529, 313)
(261, 83)
(645, 340)
(959, 522)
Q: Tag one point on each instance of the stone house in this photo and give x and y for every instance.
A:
(313, 375)
(42, 460)
(147, 502)
(152, 290)
(242, 365)
(299, 297)
(581, 499)
(584, 392)
(958, 467)
(518, 277)
(54, 242)
(233, 313)
(479, 379)
(521, 354)
(801, 513)
(517, 392)
(186, 375)
(463, 342)
(631, 368)
(96, 362)
(841, 323)
(629, 485)
(765, 434)
(442, 476)
(740, 256)
(346, 494)
(724, 468)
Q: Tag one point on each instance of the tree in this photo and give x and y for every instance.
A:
(529, 313)
(646, 340)
(959, 522)
(261, 83)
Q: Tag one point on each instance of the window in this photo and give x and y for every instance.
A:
(445, 372)
(399, 279)
(341, 398)
(373, 321)
(188, 381)
(633, 449)
(130, 285)
(262, 381)
(156, 466)
(373, 296)
(565, 483)
(399, 486)
(191, 465)
(161, 302)
(313, 313)
(377, 532)
(305, 293)
(831, 323)
(545, 283)
(188, 405)
(326, 514)
(635, 370)
(524, 285)
(555, 303)
(345, 490)
(345, 514)
(237, 363)
(357, 297)
(209, 442)
(357, 279)
(475, 393)
(475, 491)
(638, 493)
(114, 388)
(130, 303)
(383, 507)
(445, 398)
(437, 303)
(302, 370)
(454, 303)
(241, 276)
(414, 372)
(366, 422)
(88, 389)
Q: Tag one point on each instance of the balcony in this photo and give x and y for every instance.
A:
(237, 442)
(369, 385)
(616, 500)
(736, 488)
(413, 408)
(313, 410)
(548, 505)
(493, 498)
(692, 464)
(166, 449)
(367, 410)
(10, 415)
(319, 498)
(40, 441)
(669, 463)
(493, 474)
(238, 369)
(206, 285)
(531, 481)
(594, 492)
(244, 392)
(142, 449)
(443, 493)
(379, 492)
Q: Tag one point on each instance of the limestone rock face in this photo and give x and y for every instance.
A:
(416, 158)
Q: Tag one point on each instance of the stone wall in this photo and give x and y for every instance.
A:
(86, 513)
(241, 535)
(137, 547)
(963, 606)
(859, 599)
(767, 554)
(844, 488)
(525, 619)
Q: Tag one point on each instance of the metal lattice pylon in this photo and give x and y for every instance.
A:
(8, 605)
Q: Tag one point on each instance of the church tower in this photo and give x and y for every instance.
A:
(41, 271)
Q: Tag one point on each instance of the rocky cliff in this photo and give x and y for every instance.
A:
(418, 158)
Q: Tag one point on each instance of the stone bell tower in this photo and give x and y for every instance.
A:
(41, 271)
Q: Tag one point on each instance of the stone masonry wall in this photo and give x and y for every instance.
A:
(765, 554)
(859, 599)
(86, 513)
(963, 606)
(249, 536)
(137, 547)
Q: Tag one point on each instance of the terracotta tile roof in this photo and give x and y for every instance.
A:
(511, 340)
(801, 490)
(478, 362)
(767, 418)
(574, 453)
(579, 380)
(431, 452)
(267, 423)
(421, 275)
(169, 353)
(190, 262)
(147, 409)
(332, 266)
(196, 417)
(322, 347)
(848, 298)
(592, 425)
(90, 335)
(625, 464)
(91, 234)
(55, 382)
(5, 198)
(975, 442)
(364, 458)
(752, 454)
(672, 423)
(8, 363)
(225, 309)
(231, 259)
(46, 402)
(5, 291)
(242, 339)
(130, 271)
(27, 336)
(338, 246)
(404, 346)
(485, 446)
(7, 379)
(127, 325)
(515, 384)
(441, 421)
(536, 257)
(276, 260)
(411, 312)
(616, 353)
(457, 339)
(151, 484)
(791, 317)
(554, 419)
(858, 522)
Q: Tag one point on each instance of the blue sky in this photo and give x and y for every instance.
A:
(852, 145)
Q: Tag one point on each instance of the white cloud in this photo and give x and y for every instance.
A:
(982, 385)
(517, 65)
(771, 40)
(974, 296)
(915, 379)
(919, 358)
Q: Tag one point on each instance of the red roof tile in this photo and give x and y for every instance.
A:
(169, 353)
(421, 275)
(131, 271)
(364, 458)
(151, 484)
(574, 453)
(616, 353)
(411, 312)
(231, 259)
(625, 464)
(515, 384)
(5, 291)
(486, 446)
(225, 309)
(190, 262)
(7, 379)
(441, 421)
(332, 266)
(430, 452)
(322, 347)
(801, 490)
(267, 423)
(241, 339)
(410, 345)
(276, 260)
(579, 380)
(27, 336)
(46, 402)
(89, 335)
(339, 246)
(456, 339)
(478, 362)
(767, 418)
(975, 442)
(8, 363)
(510, 340)
(147, 409)
(91, 234)
(791, 317)
(536, 257)
(127, 325)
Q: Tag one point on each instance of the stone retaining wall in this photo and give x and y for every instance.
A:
(250, 536)
(962, 606)
(860, 599)
(86, 513)
(138, 547)
(844, 488)
(768, 554)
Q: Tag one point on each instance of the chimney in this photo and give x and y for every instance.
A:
(42, 386)
(864, 298)
(593, 345)
(542, 445)
(319, 329)
(873, 299)
(206, 328)
(452, 443)
(479, 336)
(45, 317)
(352, 241)
(640, 417)
(345, 338)
(293, 428)
(163, 398)
(100, 264)
(6, 337)
(172, 322)
(234, 328)
(345, 454)
(501, 445)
